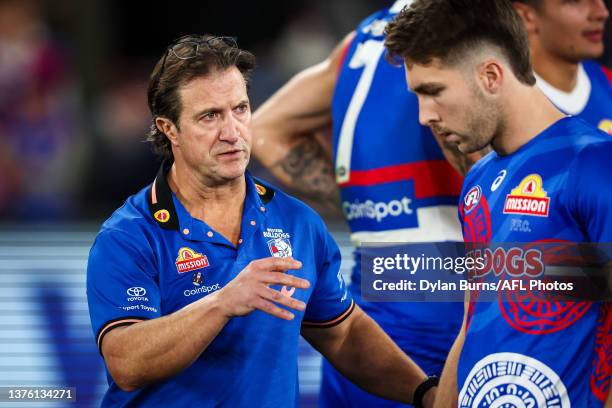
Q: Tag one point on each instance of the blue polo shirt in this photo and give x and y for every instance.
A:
(151, 258)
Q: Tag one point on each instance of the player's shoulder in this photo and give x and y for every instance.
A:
(286, 204)
(597, 71)
(479, 167)
(579, 134)
(375, 23)
(274, 196)
(132, 218)
(590, 145)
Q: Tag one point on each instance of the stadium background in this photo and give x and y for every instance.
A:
(73, 114)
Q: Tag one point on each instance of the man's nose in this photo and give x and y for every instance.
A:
(600, 10)
(427, 115)
(230, 131)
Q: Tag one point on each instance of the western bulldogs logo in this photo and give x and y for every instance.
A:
(280, 247)
(512, 380)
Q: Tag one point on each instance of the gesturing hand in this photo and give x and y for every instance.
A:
(251, 289)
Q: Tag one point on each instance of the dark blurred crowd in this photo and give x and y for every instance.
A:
(72, 128)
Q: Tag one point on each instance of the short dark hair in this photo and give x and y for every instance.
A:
(448, 29)
(187, 58)
(536, 4)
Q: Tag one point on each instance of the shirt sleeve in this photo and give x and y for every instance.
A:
(590, 191)
(121, 282)
(330, 302)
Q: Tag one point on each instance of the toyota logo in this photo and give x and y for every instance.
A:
(136, 291)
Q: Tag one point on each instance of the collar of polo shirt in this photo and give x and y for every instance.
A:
(163, 211)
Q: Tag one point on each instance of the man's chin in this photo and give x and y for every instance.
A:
(233, 171)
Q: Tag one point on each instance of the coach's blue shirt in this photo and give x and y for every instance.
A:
(151, 258)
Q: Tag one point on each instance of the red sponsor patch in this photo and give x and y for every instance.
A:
(188, 260)
(528, 198)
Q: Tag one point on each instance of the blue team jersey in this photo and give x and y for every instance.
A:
(591, 98)
(395, 183)
(151, 258)
(521, 350)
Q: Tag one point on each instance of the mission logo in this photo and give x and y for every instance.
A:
(529, 198)
(189, 260)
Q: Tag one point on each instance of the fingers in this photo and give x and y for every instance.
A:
(276, 264)
(270, 308)
(277, 297)
(282, 279)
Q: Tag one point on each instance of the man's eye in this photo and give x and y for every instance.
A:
(242, 108)
(209, 116)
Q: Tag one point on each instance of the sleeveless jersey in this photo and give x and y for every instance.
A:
(395, 183)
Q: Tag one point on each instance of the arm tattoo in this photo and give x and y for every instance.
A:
(310, 168)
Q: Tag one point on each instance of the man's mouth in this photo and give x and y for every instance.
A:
(230, 153)
(594, 36)
(448, 137)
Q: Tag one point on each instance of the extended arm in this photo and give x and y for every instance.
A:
(447, 394)
(361, 351)
(156, 349)
(285, 129)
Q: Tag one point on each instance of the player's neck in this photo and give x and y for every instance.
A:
(204, 200)
(558, 72)
(528, 113)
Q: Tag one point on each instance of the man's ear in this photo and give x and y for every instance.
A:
(491, 76)
(168, 128)
(528, 15)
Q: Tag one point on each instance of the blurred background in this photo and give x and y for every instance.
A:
(73, 115)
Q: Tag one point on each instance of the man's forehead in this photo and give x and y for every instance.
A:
(227, 83)
(419, 73)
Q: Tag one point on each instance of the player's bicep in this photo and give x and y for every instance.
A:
(297, 110)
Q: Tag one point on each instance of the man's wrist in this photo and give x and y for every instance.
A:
(424, 394)
(429, 397)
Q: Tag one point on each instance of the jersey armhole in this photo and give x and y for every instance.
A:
(343, 55)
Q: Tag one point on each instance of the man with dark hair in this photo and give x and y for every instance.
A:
(564, 37)
(188, 286)
(468, 63)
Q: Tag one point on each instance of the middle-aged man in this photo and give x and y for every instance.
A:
(564, 37)
(468, 62)
(188, 285)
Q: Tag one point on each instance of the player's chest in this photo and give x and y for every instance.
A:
(190, 270)
(515, 205)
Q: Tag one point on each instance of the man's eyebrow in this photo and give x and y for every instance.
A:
(218, 109)
(210, 109)
(428, 88)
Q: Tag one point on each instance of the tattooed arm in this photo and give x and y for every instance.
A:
(288, 130)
